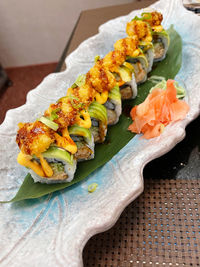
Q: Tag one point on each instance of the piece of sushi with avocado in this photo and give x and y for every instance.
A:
(98, 114)
(84, 141)
(61, 162)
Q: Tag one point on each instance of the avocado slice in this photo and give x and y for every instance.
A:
(58, 153)
(80, 81)
(98, 112)
(77, 130)
(54, 126)
(125, 73)
(141, 57)
(163, 33)
(115, 93)
(144, 46)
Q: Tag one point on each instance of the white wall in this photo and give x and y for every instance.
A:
(36, 31)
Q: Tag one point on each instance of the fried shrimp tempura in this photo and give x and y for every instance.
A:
(113, 60)
(34, 138)
(140, 29)
(154, 18)
(127, 46)
(100, 78)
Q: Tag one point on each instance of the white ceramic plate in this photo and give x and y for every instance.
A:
(52, 230)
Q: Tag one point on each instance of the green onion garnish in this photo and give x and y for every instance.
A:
(92, 187)
(54, 114)
(54, 126)
(96, 58)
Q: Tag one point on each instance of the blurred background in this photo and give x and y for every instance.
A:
(34, 32)
(33, 35)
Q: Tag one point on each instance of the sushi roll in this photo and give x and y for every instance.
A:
(84, 141)
(67, 132)
(47, 148)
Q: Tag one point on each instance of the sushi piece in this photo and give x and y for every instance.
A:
(113, 105)
(84, 141)
(148, 50)
(62, 163)
(140, 65)
(161, 44)
(128, 88)
(160, 37)
(123, 71)
(98, 114)
(141, 29)
(40, 152)
(103, 80)
(112, 99)
(135, 56)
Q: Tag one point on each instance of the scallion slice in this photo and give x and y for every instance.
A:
(54, 126)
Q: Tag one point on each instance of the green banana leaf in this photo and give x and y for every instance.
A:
(118, 135)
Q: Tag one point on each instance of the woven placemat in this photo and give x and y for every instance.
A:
(160, 228)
